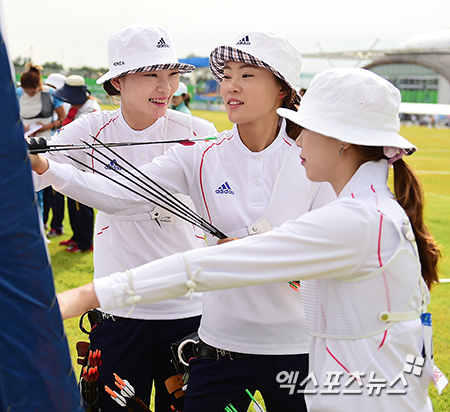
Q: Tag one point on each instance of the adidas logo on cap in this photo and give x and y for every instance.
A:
(244, 41)
(161, 43)
(224, 189)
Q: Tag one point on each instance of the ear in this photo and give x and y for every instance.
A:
(346, 145)
(343, 146)
(281, 94)
(116, 82)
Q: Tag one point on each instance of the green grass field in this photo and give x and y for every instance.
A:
(432, 163)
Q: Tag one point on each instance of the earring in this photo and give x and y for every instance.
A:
(280, 96)
(341, 150)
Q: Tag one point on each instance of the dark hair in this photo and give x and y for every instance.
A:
(186, 99)
(31, 78)
(110, 89)
(292, 129)
(409, 194)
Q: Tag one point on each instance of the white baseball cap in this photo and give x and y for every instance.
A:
(263, 49)
(353, 105)
(182, 89)
(55, 80)
(141, 47)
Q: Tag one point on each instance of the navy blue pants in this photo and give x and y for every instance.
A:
(54, 201)
(139, 351)
(214, 384)
(82, 222)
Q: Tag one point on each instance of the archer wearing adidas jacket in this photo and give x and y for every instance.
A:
(137, 347)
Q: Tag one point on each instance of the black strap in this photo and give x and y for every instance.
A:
(205, 351)
(95, 318)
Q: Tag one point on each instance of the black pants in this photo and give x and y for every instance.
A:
(213, 384)
(82, 221)
(54, 201)
(139, 351)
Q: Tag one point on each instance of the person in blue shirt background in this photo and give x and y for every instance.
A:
(181, 99)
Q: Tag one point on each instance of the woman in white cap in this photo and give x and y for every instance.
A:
(143, 72)
(366, 260)
(244, 184)
(181, 99)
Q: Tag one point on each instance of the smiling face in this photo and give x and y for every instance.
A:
(146, 96)
(250, 93)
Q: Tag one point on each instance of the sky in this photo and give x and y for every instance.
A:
(76, 33)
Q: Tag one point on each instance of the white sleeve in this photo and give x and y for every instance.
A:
(309, 247)
(108, 196)
(68, 135)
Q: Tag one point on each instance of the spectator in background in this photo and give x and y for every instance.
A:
(37, 107)
(54, 200)
(181, 99)
(75, 92)
(37, 103)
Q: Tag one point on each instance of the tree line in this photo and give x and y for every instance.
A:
(54, 67)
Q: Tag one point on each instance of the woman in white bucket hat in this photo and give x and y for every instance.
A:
(244, 183)
(367, 259)
(144, 72)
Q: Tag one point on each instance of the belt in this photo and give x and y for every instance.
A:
(204, 351)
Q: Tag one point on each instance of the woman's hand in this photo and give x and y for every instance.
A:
(39, 163)
(75, 302)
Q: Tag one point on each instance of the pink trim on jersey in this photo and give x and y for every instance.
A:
(341, 365)
(102, 229)
(201, 173)
(290, 144)
(98, 132)
(380, 261)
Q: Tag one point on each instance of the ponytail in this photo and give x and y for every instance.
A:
(293, 130)
(409, 194)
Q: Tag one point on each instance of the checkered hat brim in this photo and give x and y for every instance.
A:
(220, 55)
(182, 68)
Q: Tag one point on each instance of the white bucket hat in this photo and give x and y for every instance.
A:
(353, 105)
(55, 80)
(263, 49)
(141, 47)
